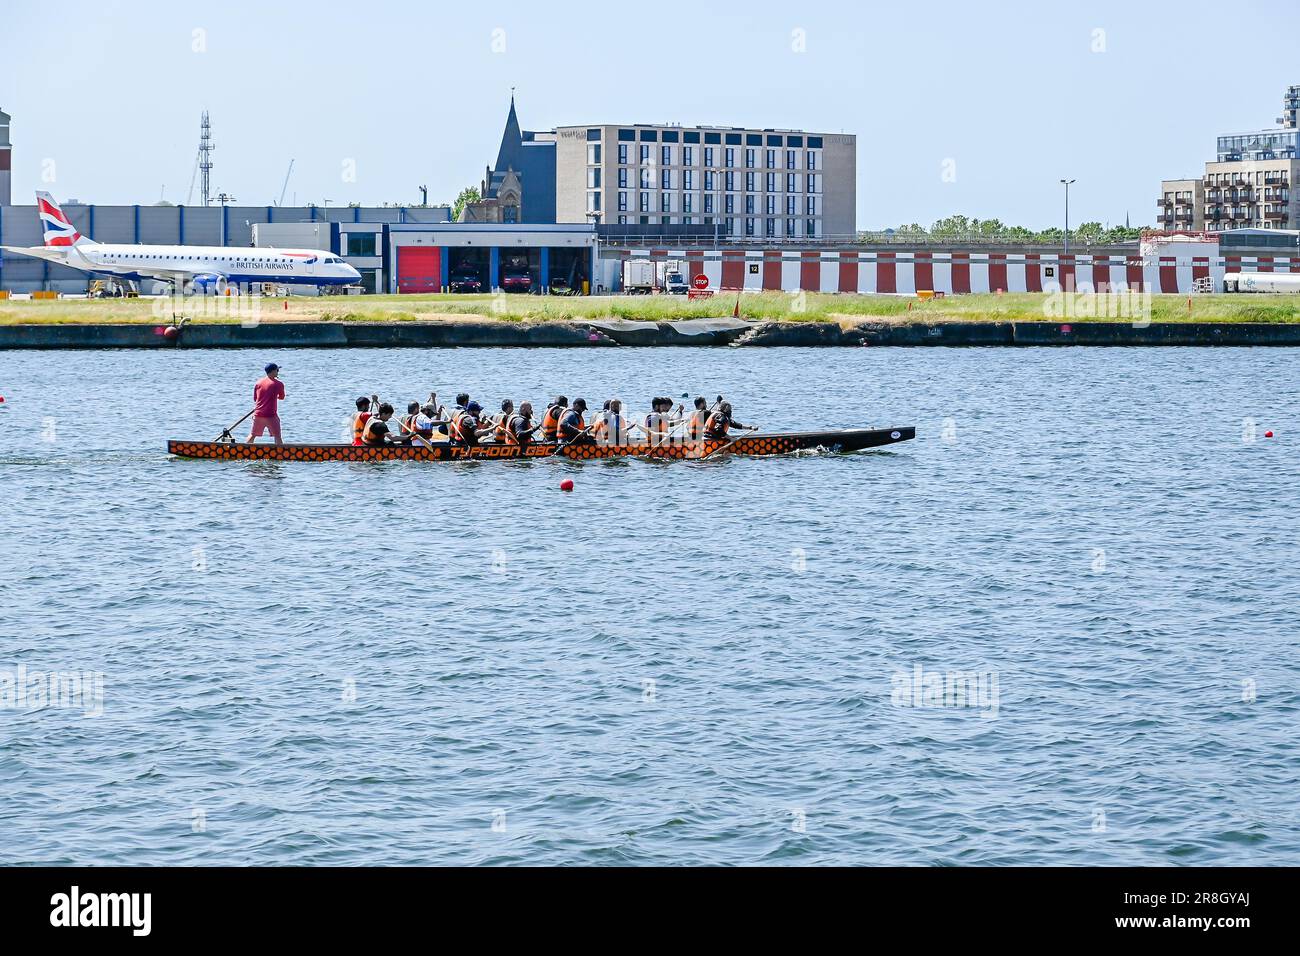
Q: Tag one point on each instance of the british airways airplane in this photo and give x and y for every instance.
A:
(197, 268)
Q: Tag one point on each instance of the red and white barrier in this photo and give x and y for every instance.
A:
(955, 273)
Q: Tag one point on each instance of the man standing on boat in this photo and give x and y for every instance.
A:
(267, 393)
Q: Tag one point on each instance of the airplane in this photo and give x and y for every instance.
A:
(203, 269)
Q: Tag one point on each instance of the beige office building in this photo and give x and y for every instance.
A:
(748, 183)
(1248, 184)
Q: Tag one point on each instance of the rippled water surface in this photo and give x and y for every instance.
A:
(699, 662)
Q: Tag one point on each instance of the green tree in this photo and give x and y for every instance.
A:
(467, 195)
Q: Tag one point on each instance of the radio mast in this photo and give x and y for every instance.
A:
(205, 159)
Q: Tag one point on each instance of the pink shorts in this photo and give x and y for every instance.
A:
(263, 425)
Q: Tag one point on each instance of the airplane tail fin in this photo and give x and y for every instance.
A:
(59, 232)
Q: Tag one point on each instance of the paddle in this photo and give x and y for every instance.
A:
(751, 428)
(225, 435)
(415, 434)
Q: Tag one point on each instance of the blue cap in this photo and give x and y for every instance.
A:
(270, 368)
(473, 407)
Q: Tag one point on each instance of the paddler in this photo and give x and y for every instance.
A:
(551, 420)
(465, 425)
(503, 422)
(376, 430)
(359, 419)
(658, 423)
(572, 430)
(699, 419)
(721, 422)
(406, 426)
(520, 427)
(610, 427)
(266, 412)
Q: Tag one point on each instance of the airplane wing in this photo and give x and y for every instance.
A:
(38, 252)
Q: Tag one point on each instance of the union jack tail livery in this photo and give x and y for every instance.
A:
(58, 230)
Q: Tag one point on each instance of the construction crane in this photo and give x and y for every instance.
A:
(285, 188)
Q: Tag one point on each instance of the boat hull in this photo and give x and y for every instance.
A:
(777, 444)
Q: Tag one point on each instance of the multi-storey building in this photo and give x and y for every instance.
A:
(6, 161)
(748, 183)
(1247, 185)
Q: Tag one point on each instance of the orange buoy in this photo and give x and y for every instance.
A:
(566, 484)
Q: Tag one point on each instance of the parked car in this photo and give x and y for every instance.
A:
(674, 284)
(517, 282)
(466, 282)
(560, 286)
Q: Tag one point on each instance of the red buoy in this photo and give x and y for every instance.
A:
(1266, 434)
(566, 484)
(171, 332)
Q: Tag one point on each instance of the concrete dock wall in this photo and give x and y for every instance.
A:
(490, 334)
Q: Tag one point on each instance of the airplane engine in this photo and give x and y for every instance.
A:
(209, 284)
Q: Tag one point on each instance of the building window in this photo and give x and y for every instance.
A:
(593, 177)
(622, 179)
(688, 179)
(665, 156)
(730, 225)
(770, 206)
(730, 179)
(666, 179)
(622, 220)
(666, 202)
(622, 202)
(644, 202)
(593, 135)
(770, 228)
(749, 227)
(790, 228)
(729, 204)
(749, 158)
(771, 159)
(710, 180)
(812, 205)
(791, 159)
(688, 202)
(593, 202)
(749, 182)
(810, 229)
(361, 244)
(812, 159)
(708, 156)
(771, 182)
(688, 155)
(812, 184)
(647, 178)
(749, 205)
(730, 159)
(791, 206)
(593, 155)
(645, 154)
(708, 202)
(791, 183)
(622, 153)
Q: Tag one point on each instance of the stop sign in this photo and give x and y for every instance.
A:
(701, 281)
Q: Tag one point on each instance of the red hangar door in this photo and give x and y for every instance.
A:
(419, 269)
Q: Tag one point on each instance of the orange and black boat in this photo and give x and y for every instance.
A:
(854, 439)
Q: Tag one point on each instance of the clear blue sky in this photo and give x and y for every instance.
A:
(415, 93)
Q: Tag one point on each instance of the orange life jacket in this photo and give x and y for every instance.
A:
(458, 428)
(699, 421)
(717, 426)
(509, 430)
(551, 422)
(366, 438)
(359, 421)
(502, 429)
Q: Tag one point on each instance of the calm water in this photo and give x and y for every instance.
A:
(705, 662)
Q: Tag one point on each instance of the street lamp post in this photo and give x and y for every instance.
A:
(1067, 183)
